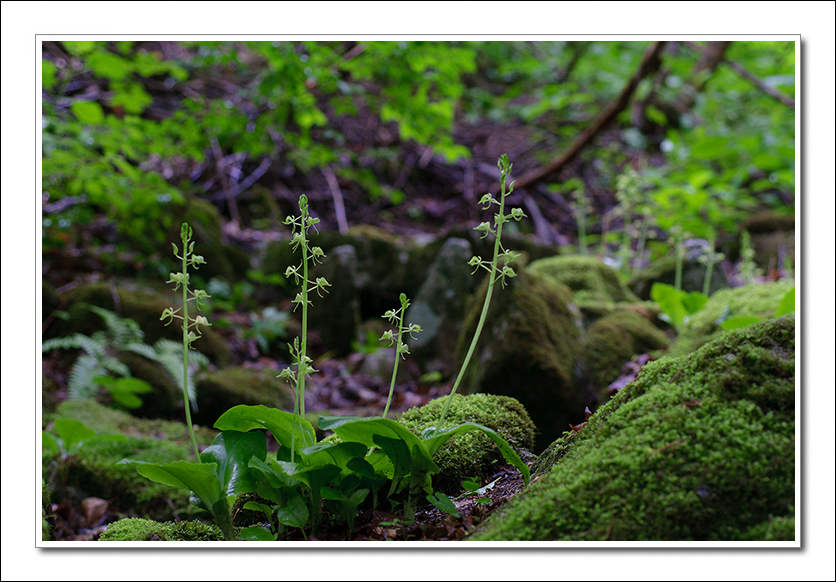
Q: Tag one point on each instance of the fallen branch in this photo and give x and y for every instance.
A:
(650, 62)
(339, 206)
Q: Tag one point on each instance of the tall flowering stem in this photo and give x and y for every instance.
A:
(395, 316)
(190, 325)
(496, 273)
(301, 226)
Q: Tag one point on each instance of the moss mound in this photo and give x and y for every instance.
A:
(473, 454)
(94, 471)
(590, 280)
(612, 341)
(145, 530)
(219, 391)
(527, 350)
(700, 447)
(758, 299)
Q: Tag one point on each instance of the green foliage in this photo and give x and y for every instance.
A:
(785, 307)
(676, 305)
(267, 327)
(100, 358)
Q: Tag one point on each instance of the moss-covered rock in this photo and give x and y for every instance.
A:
(140, 303)
(134, 529)
(439, 306)
(590, 280)
(663, 270)
(94, 471)
(610, 342)
(219, 391)
(700, 447)
(528, 350)
(757, 300)
(473, 454)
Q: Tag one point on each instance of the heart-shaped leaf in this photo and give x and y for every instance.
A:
(285, 426)
(231, 451)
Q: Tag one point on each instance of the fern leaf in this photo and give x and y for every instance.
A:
(81, 384)
(121, 331)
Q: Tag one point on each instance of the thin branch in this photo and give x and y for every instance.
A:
(650, 62)
(339, 206)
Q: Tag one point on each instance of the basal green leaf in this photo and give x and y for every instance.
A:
(48, 442)
(294, 514)
(201, 478)
(72, 433)
(88, 112)
(232, 451)
(257, 534)
(693, 301)
(669, 301)
(285, 426)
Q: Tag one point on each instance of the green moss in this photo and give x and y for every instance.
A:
(144, 305)
(94, 471)
(758, 299)
(610, 342)
(46, 512)
(527, 350)
(590, 280)
(473, 454)
(219, 391)
(145, 530)
(700, 447)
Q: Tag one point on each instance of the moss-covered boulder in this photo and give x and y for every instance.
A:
(220, 390)
(528, 350)
(756, 300)
(94, 471)
(610, 342)
(663, 270)
(473, 454)
(700, 447)
(140, 303)
(134, 529)
(439, 306)
(590, 280)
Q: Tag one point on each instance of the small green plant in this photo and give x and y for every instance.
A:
(748, 269)
(300, 226)
(267, 327)
(190, 325)
(500, 255)
(709, 259)
(677, 305)
(401, 350)
(678, 236)
(581, 207)
(628, 193)
(69, 437)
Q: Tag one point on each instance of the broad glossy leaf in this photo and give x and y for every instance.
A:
(434, 443)
(398, 453)
(336, 453)
(294, 514)
(362, 430)
(285, 426)
(201, 478)
(670, 302)
(48, 442)
(231, 451)
(257, 534)
(693, 301)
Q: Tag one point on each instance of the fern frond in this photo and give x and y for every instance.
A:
(170, 356)
(121, 331)
(81, 384)
(143, 350)
(112, 364)
(91, 346)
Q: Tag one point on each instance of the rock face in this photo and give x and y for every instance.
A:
(758, 300)
(527, 350)
(336, 315)
(700, 447)
(439, 306)
(473, 454)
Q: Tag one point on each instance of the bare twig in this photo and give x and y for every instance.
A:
(650, 62)
(339, 206)
(542, 227)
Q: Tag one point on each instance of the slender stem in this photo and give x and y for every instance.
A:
(484, 314)
(303, 368)
(186, 401)
(706, 285)
(397, 361)
(678, 276)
